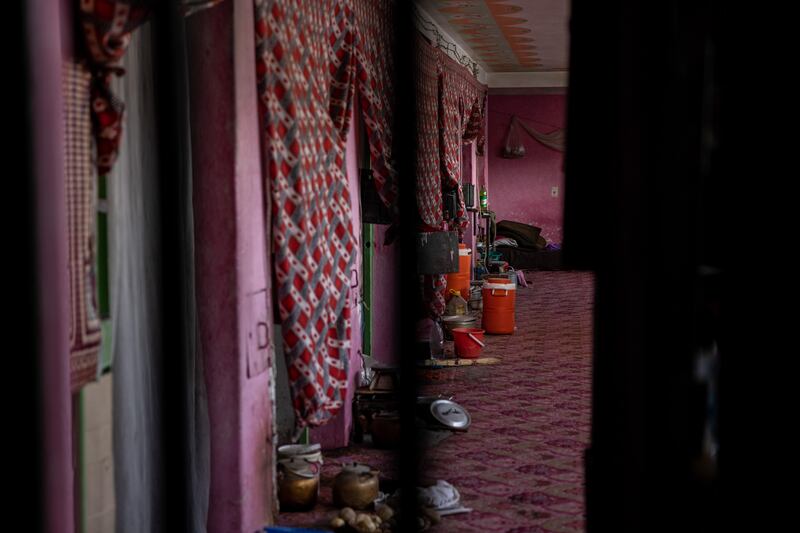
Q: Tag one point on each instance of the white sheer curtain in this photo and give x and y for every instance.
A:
(134, 254)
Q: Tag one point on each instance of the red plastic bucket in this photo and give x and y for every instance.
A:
(468, 342)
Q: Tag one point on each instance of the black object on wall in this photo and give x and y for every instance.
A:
(373, 210)
(450, 204)
(437, 252)
(469, 194)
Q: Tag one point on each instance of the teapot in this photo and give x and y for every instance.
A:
(355, 486)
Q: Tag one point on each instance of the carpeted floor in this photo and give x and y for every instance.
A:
(520, 465)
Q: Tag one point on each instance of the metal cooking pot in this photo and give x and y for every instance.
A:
(450, 322)
(298, 476)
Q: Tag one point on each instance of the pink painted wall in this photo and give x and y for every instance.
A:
(46, 54)
(520, 188)
(475, 171)
(231, 260)
(483, 161)
(469, 175)
(385, 317)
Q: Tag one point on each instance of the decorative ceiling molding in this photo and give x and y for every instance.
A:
(445, 42)
(507, 35)
(458, 44)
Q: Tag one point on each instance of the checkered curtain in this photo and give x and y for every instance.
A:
(433, 295)
(305, 76)
(84, 331)
(429, 183)
(480, 140)
(461, 101)
(375, 53)
(475, 129)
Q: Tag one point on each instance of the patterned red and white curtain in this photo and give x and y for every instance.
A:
(429, 182)
(85, 327)
(106, 26)
(375, 61)
(91, 111)
(428, 167)
(461, 104)
(306, 80)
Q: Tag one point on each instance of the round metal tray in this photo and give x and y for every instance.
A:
(450, 414)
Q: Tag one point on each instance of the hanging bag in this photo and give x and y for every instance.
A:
(513, 147)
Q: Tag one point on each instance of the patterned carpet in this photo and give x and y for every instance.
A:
(520, 465)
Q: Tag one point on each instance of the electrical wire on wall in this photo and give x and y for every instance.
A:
(445, 44)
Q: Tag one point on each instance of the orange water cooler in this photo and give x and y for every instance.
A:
(459, 281)
(499, 301)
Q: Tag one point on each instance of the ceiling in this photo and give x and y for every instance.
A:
(507, 36)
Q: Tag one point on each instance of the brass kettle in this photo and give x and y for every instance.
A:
(356, 486)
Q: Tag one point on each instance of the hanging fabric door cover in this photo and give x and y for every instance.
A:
(91, 111)
(375, 74)
(450, 111)
(429, 183)
(306, 68)
(84, 331)
(461, 101)
(107, 26)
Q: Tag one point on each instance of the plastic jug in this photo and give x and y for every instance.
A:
(457, 305)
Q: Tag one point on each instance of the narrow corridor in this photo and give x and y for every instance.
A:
(520, 465)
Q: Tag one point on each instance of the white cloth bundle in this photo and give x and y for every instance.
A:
(440, 496)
